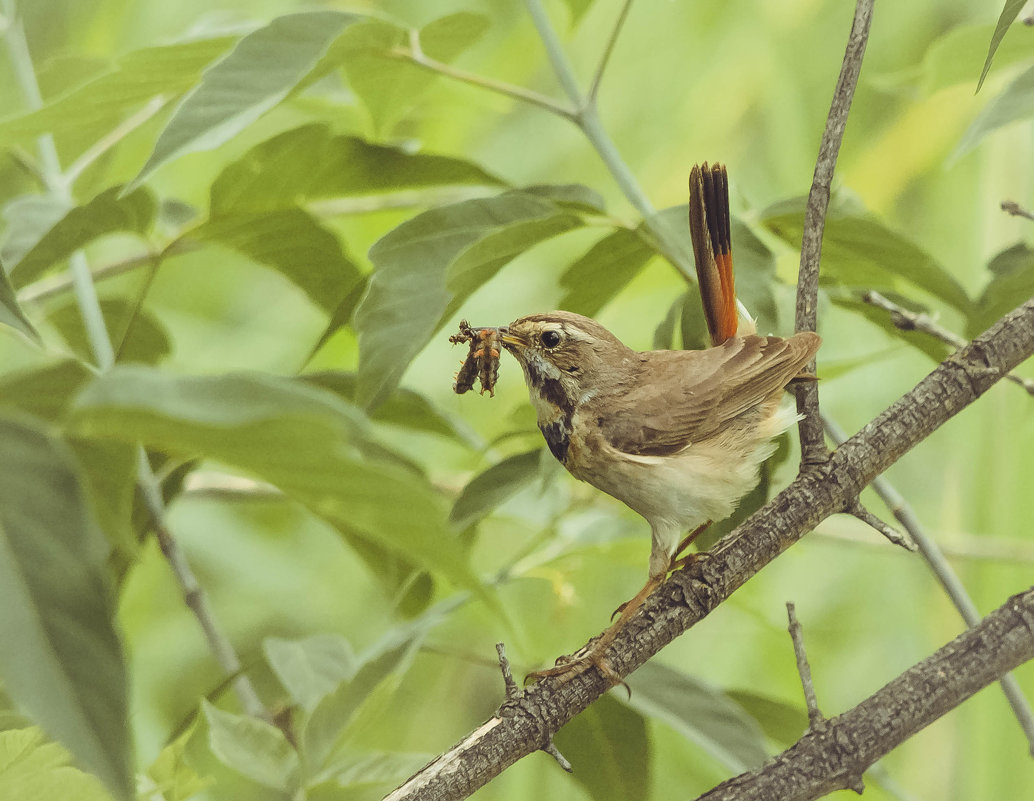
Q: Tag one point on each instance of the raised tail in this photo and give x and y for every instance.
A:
(712, 248)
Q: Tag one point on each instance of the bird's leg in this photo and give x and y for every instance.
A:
(592, 655)
(674, 562)
(689, 558)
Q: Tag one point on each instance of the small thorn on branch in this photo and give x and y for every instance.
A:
(1011, 206)
(858, 510)
(504, 665)
(815, 717)
(512, 691)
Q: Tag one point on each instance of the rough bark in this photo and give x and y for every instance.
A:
(834, 754)
(525, 723)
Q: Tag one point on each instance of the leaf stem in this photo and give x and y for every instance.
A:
(415, 55)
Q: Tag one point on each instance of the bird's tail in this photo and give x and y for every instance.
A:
(712, 248)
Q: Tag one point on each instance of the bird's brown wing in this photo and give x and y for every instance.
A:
(691, 395)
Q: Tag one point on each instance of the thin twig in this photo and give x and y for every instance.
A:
(918, 321)
(859, 511)
(815, 716)
(944, 574)
(813, 444)
(594, 87)
(100, 342)
(509, 683)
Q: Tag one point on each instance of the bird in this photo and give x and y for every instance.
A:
(677, 435)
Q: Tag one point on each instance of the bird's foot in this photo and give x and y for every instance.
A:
(573, 665)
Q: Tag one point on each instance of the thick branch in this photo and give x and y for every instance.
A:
(834, 756)
(524, 724)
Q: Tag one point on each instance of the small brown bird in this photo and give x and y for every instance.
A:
(677, 435)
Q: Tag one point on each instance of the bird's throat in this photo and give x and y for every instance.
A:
(554, 404)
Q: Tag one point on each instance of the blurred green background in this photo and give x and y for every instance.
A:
(745, 83)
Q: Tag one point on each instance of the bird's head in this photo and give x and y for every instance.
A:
(566, 357)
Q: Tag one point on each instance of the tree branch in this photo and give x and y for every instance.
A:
(917, 321)
(834, 756)
(946, 577)
(524, 724)
(813, 444)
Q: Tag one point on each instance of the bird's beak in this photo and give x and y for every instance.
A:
(509, 339)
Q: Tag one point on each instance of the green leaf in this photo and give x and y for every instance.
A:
(28, 218)
(104, 102)
(107, 213)
(1012, 280)
(109, 481)
(577, 8)
(11, 313)
(860, 252)
(404, 407)
(575, 196)
(44, 391)
(1015, 103)
(692, 325)
(954, 57)
(292, 242)
(310, 668)
(381, 670)
(429, 265)
(782, 722)
(258, 74)
(701, 714)
(67, 668)
(664, 333)
(297, 437)
(609, 750)
(357, 771)
(755, 276)
(309, 163)
(138, 335)
(387, 85)
(603, 271)
(171, 776)
(1010, 11)
(252, 747)
(33, 768)
(495, 485)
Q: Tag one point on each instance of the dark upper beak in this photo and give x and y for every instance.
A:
(508, 338)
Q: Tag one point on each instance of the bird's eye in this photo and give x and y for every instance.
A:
(550, 339)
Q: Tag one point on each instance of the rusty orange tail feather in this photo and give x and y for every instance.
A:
(710, 229)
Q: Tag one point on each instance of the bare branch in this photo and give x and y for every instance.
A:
(813, 445)
(859, 511)
(917, 321)
(815, 717)
(834, 756)
(949, 581)
(525, 723)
